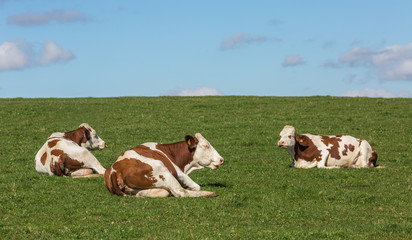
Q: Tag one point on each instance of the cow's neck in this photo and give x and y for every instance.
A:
(76, 136)
(292, 151)
(178, 153)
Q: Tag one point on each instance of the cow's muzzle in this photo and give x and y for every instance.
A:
(221, 160)
(281, 144)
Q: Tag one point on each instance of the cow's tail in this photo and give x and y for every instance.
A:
(111, 182)
(373, 158)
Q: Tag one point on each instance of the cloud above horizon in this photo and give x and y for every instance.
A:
(292, 60)
(36, 19)
(19, 54)
(376, 93)
(199, 91)
(392, 63)
(241, 39)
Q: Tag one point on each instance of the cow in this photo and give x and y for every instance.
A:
(67, 154)
(159, 170)
(308, 150)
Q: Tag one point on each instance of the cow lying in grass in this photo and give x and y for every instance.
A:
(158, 170)
(67, 154)
(308, 150)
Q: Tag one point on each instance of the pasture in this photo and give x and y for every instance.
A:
(260, 196)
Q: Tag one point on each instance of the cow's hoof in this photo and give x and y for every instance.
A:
(213, 195)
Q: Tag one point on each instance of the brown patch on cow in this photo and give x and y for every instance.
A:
(79, 136)
(155, 155)
(181, 153)
(70, 164)
(349, 147)
(57, 168)
(134, 174)
(65, 165)
(57, 152)
(372, 160)
(43, 158)
(53, 143)
(162, 177)
(306, 150)
(334, 141)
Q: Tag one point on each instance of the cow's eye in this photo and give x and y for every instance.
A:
(290, 136)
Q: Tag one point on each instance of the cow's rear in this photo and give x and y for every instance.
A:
(110, 180)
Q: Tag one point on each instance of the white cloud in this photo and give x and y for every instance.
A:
(356, 57)
(394, 62)
(391, 63)
(51, 53)
(19, 54)
(292, 60)
(241, 39)
(14, 55)
(32, 19)
(376, 93)
(199, 91)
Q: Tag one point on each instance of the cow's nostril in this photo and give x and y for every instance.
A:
(221, 161)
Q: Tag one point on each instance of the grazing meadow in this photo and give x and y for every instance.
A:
(260, 195)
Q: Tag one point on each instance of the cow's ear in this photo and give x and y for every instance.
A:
(191, 141)
(87, 133)
(301, 140)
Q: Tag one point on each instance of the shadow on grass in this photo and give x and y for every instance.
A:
(221, 185)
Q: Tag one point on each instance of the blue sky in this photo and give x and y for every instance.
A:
(156, 48)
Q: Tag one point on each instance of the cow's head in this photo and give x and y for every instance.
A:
(91, 140)
(204, 153)
(287, 137)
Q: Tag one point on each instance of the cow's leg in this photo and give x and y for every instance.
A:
(194, 188)
(153, 193)
(186, 180)
(323, 162)
(84, 172)
(90, 161)
(169, 182)
(201, 194)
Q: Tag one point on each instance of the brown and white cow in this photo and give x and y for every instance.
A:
(158, 170)
(67, 154)
(308, 150)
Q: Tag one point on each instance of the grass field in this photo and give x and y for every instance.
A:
(260, 196)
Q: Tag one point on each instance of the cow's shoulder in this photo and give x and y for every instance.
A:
(156, 152)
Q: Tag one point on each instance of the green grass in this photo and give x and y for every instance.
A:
(260, 197)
